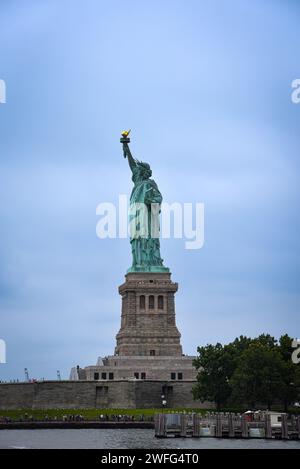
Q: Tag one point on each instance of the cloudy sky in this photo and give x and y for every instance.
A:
(206, 88)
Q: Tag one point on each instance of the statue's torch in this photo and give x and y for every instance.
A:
(125, 140)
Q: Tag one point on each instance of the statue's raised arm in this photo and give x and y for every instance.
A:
(126, 150)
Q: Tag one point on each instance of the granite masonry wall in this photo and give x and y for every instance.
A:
(97, 394)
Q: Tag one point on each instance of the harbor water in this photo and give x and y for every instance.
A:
(125, 439)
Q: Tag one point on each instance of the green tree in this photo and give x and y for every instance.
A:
(213, 381)
(233, 352)
(248, 371)
(258, 377)
(266, 340)
(291, 373)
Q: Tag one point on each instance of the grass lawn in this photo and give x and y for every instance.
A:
(90, 414)
(93, 414)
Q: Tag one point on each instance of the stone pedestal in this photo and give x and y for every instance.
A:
(148, 325)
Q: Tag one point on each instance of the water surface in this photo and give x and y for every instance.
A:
(129, 438)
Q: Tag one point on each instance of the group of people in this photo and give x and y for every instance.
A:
(78, 418)
(123, 418)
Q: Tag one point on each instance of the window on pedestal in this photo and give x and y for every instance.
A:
(103, 375)
(152, 353)
(136, 375)
(142, 302)
(179, 375)
(96, 376)
(151, 301)
(173, 375)
(160, 302)
(110, 376)
(143, 375)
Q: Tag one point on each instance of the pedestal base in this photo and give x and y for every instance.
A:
(163, 368)
(152, 268)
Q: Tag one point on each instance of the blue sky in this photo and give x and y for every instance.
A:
(205, 86)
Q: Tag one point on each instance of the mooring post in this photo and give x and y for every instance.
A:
(183, 425)
(284, 427)
(244, 427)
(268, 427)
(156, 424)
(160, 425)
(196, 425)
(219, 426)
(230, 426)
(293, 424)
(164, 425)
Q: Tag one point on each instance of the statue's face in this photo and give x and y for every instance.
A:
(142, 173)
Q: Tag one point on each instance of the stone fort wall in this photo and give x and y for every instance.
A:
(115, 394)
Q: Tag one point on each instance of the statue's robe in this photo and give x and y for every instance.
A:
(145, 203)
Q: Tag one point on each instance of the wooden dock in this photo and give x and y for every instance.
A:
(225, 425)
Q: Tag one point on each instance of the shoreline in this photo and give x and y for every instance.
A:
(73, 425)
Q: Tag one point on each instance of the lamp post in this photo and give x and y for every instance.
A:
(163, 402)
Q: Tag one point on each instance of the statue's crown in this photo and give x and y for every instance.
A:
(144, 165)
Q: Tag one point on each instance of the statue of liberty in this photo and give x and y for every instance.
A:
(145, 202)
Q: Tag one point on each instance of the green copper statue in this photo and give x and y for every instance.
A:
(145, 201)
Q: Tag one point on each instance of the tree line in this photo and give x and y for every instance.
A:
(247, 371)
